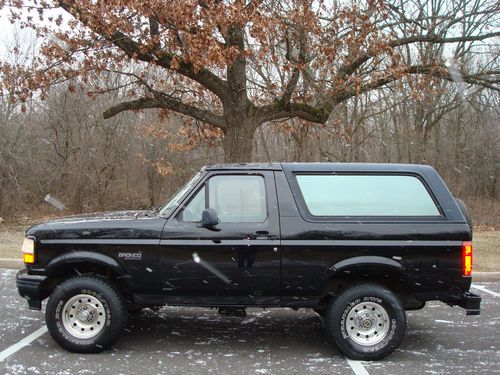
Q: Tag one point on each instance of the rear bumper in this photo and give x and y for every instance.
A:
(30, 287)
(469, 301)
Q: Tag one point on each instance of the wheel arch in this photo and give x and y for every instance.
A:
(379, 270)
(78, 263)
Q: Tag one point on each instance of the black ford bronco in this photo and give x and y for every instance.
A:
(358, 243)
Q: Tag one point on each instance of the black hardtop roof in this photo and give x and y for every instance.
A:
(244, 166)
(323, 167)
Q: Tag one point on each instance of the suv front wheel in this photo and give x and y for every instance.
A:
(85, 314)
(366, 322)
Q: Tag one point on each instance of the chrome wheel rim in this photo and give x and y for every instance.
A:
(367, 323)
(83, 316)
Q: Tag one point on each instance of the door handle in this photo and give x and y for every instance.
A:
(263, 234)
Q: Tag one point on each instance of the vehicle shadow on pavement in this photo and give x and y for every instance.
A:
(188, 328)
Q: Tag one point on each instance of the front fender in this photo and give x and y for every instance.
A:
(75, 257)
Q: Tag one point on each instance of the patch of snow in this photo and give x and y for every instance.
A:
(443, 321)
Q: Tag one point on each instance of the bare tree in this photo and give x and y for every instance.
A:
(236, 65)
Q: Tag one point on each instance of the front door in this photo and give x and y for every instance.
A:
(235, 262)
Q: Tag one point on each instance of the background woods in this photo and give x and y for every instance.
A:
(110, 106)
(136, 160)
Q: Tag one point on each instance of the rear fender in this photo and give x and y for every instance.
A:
(375, 269)
(367, 262)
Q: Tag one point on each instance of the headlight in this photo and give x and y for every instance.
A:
(29, 251)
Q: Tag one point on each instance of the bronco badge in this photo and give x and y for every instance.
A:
(131, 256)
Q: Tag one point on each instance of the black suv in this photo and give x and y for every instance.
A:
(358, 243)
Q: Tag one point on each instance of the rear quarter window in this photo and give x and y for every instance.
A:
(365, 195)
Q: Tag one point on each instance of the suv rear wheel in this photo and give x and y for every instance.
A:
(366, 322)
(85, 314)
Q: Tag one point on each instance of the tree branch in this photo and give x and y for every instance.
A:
(320, 114)
(277, 111)
(350, 67)
(134, 49)
(292, 83)
(434, 38)
(435, 70)
(167, 103)
(154, 31)
(301, 59)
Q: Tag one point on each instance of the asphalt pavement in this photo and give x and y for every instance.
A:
(439, 340)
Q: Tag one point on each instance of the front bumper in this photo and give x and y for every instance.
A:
(30, 287)
(469, 301)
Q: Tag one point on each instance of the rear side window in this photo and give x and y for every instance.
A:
(366, 195)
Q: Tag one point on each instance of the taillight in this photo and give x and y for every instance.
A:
(467, 258)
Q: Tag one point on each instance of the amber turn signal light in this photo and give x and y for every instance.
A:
(29, 251)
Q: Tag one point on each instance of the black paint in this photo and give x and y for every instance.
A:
(291, 259)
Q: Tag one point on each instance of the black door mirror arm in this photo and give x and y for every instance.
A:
(213, 228)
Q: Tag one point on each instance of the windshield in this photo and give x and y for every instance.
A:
(175, 200)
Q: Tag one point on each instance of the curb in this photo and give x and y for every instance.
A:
(477, 277)
(485, 276)
(11, 263)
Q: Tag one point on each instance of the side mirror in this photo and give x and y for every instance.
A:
(209, 218)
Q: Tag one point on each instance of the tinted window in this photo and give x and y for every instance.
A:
(366, 195)
(238, 199)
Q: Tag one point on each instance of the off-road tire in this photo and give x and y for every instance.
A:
(371, 310)
(105, 309)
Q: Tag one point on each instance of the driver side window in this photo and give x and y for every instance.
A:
(236, 198)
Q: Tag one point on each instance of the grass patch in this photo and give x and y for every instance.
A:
(486, 246)
(11, 239)
(486, 250)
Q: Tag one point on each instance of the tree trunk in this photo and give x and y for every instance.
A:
(420, 144)
(238, 141)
